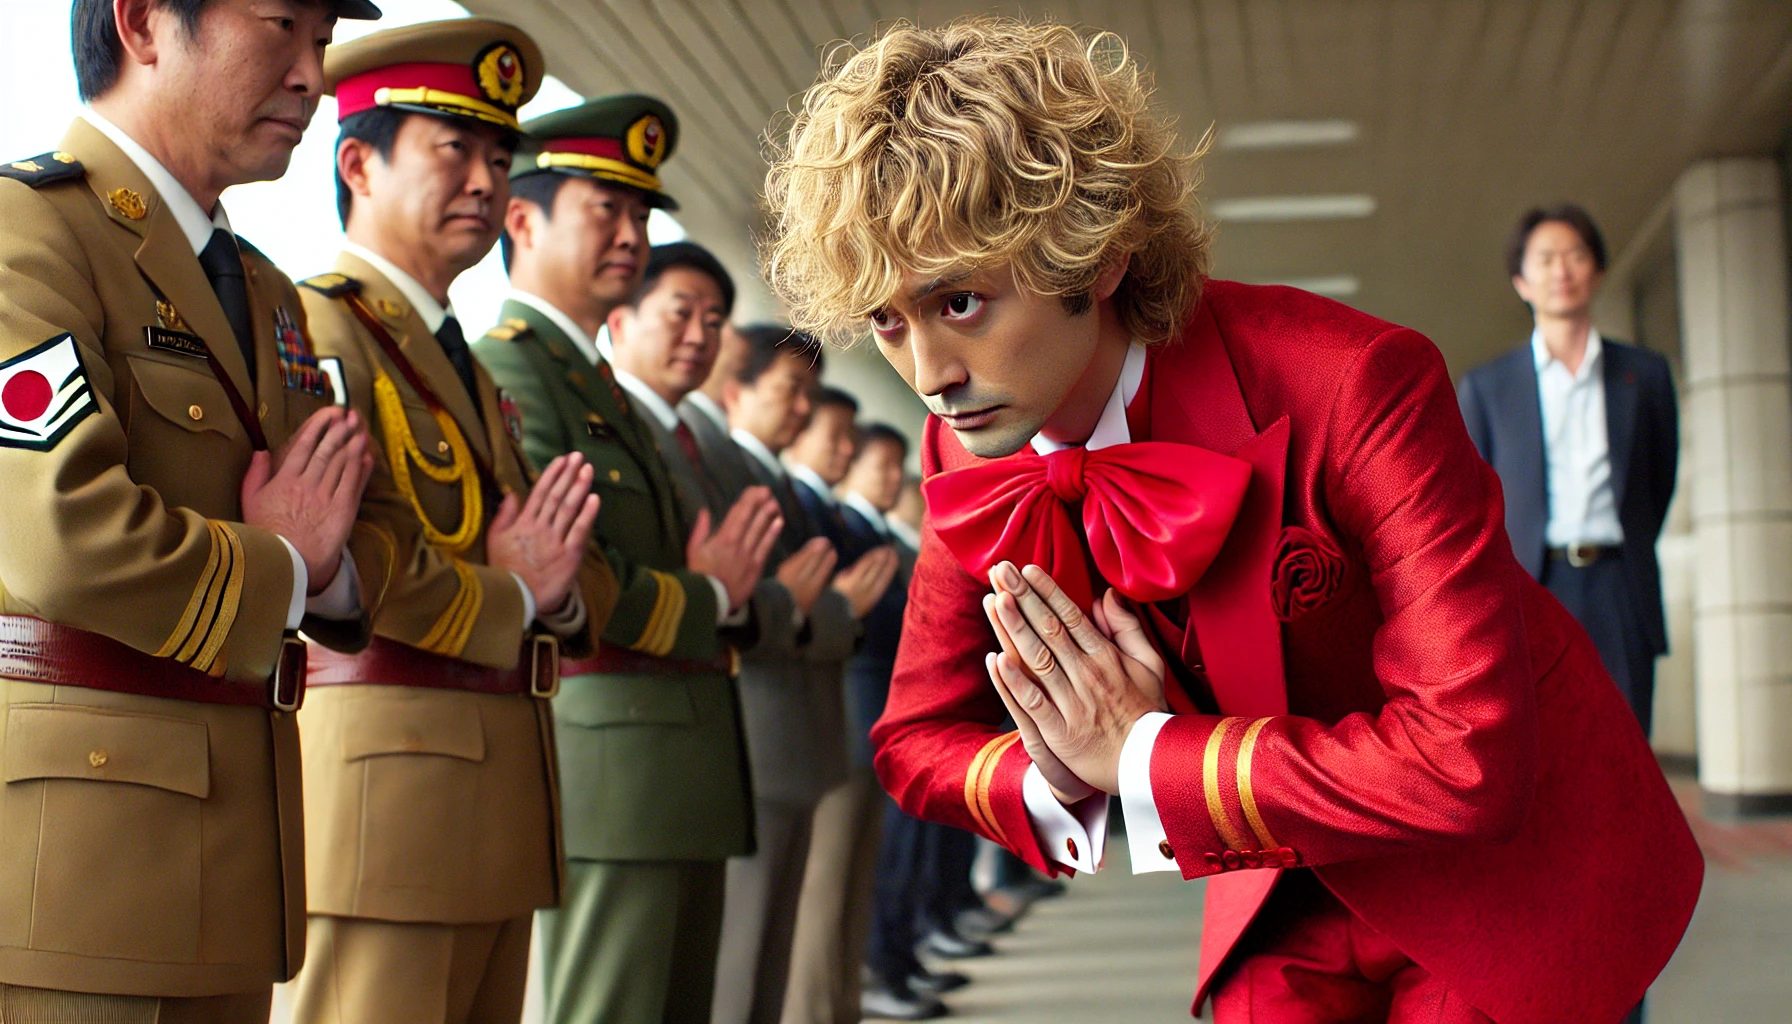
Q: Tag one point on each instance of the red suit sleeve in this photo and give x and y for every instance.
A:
(941, 749)
(1451, 756)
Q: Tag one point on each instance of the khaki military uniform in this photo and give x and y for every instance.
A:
(435, 809)
(148, 846)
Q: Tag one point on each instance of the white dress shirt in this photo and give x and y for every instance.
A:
(757, 449)
(879, 522)
(1576, 447)
(342, 598)
(667, 417)
(1084, 826)
(813, 480)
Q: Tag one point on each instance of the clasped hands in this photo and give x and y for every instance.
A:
(1075, 684)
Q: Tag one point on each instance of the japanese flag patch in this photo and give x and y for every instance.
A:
(43, 394)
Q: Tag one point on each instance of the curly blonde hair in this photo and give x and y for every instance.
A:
(985, 142)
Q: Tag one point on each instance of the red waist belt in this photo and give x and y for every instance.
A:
(621, 661)
(390, 663)
(45, 652)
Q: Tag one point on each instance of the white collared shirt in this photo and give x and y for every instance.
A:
(580, 340)
(708, 407)
(813, 480)
(342, 598)
(432, 312)
(1576, 447)
(648, 399)
(1111, 429)
(858, 503)
(756, 448)
(195, 223)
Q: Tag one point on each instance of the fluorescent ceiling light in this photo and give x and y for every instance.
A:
(1274, 209)
(1252, 135)
(1335, 286)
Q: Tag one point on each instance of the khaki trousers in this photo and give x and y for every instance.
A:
(833, 918)
(633, 943)
(759, 916)
(359, 971)
(46, 1006)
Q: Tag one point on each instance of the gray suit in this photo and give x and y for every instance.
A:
(791, 702)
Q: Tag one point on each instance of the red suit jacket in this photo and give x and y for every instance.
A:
(1400, 707)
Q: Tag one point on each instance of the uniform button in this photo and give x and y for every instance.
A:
(1214, 862)
(615, 475)
(1251, 859)
(1070, 844)
(441, 447)
(1230, 859)
(262, 413)
(1164, 847)
(98, 758)
(196, 413)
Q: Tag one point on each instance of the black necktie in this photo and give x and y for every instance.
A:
(223, 265)
(454, 346)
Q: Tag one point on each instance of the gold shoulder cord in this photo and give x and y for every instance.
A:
(402, 452)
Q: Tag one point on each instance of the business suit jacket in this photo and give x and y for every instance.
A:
(1501, 405)
(652, 763)
(868, 670)
(1371, 686)
(152, 846)
(423, 804)
(790, 688)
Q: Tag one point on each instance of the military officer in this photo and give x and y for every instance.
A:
(654, 789)
(431, 813)
(179, 491)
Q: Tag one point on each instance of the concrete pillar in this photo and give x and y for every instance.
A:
(1731, 242)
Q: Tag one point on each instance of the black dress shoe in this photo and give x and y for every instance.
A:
(981, 923)
(883, 1002)
(937, 982)
(954, 947)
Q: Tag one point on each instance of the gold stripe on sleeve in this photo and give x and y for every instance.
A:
(1246, 798)
(674, 616)
(213, 600)
(184, 628)
(454, 627)
(986, 778)
(971, 777)
(661, 630)
(228, 604)
(1210, 777)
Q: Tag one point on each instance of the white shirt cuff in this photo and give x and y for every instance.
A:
(301, 582)
(1075, 837)
(569, 620)
(341, 600)
(723, 615)
(1144, 830)
(528, 602)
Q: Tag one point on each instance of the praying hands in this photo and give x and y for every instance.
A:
(1075, 683)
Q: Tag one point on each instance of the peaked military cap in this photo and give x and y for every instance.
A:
(357, 10)
(472, 68)
(617, 139)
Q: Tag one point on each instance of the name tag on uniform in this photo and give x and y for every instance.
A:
(180, 342)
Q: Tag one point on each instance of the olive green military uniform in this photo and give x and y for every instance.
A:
(149, 846)
(653, 765)
(431, 811)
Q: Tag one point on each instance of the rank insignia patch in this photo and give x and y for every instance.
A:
(43, 394)
(513, 417)
(298, 363)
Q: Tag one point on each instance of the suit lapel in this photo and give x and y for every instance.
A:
(1234, 633)
(1527, 397)
(420, 347)
(163, 254)
(1620, 415)
(269, 383)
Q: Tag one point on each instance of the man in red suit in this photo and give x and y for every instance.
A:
(1239, 559)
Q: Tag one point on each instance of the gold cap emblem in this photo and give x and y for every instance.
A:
(647, 141)
(500, 72)
(129, 204)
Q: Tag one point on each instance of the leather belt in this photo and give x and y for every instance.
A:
(621, 661)
(1582, 555)
(37, 651)
(390, 663)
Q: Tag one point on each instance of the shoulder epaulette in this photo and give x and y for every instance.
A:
(332, 286)
(512, 329)
(43, 169)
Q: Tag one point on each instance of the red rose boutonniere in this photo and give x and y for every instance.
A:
(1308, 571)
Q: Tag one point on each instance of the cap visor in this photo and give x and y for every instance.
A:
(357, 10)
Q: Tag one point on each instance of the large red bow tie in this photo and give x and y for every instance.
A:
(1155, 515)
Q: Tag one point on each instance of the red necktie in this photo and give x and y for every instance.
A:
(688, 442)
(1154, 513)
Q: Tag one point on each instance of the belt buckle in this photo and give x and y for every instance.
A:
(286, 689)
(544, 663)
(1582, 555)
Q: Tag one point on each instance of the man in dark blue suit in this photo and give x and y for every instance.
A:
(1584, 433)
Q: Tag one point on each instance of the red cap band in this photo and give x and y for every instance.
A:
(608, 148)
(356, 94)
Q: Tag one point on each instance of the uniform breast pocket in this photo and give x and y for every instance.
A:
(180, 418)
(119, 844)
(615, 472)
(422, 753)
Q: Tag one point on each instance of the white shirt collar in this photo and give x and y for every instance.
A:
(856, 501)
(756, 448)
(195, 223)
(432, 312)
(1111, 429)
(1589, 363)
(708, 407)
(580, 340)
(813, 479)
(648, 398)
